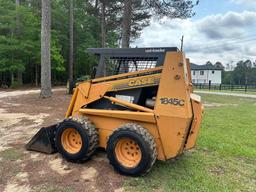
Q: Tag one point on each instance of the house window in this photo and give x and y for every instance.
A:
(213, 72)
(201, 72)
(194, 72)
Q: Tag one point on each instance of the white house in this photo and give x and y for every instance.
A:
(205, 74)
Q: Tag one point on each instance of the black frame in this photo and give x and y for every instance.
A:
(131, 54)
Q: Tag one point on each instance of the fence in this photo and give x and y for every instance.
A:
(226, 87)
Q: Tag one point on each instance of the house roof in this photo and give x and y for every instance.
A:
(204, 67)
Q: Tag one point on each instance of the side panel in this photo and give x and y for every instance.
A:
(173, 105)
(106, 125)
(198, 110)
(189, 76)
(119, 114)
(96, 92)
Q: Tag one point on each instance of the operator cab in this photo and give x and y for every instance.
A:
(118, 61)
(125, 60)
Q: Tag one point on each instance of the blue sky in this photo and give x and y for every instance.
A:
(222, 30)
(212, 7)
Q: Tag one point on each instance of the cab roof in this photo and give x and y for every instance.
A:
(134, 52)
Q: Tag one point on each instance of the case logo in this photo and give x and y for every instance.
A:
(141, 81)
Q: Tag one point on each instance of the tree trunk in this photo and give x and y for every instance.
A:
(19, 77)
(96, 4)
(101, 69)
(12, 78)
(103, 23)
(71, 44)
(126, 23)
(36, 76)
(46, 90)
(19, 72)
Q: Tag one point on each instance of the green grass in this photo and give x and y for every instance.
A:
(229, 91)
(223, 160)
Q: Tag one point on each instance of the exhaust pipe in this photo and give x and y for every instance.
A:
(43, 140)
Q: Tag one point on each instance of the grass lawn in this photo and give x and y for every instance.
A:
(225, 156)
(229, 91)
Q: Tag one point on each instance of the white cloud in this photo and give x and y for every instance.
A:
(245, 2)
(249, 4)
(222, 37)
(229, 25)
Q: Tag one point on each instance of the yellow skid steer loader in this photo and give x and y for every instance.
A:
(143, 109)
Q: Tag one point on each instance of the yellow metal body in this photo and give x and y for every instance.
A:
(175, 120)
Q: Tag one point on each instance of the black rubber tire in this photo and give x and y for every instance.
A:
(88, 134)
(146, 143)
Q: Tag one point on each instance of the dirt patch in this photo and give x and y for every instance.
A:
(12, 186)
(119, 190)
(60, 168)
(22, 176)
(14, 125)
(16, 93)
(20, 118)
(89, 174)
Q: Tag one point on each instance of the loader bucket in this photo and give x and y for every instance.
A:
(43, 140)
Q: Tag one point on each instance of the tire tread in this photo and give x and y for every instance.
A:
(146, 136)
(92, 133)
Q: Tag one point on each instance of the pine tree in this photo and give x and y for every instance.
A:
(71, 45)
(158, 8)
(45, 49)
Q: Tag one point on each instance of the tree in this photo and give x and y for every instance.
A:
(243, 73)
(95, 25)
(71, 44)
(103, 23)
(19, 41)
(159, 8)
(45, 49)
(109, 22)
(101, 69)
(182, 9)
(219, 65)
(209, 63)
(19, 73)
(126, 23)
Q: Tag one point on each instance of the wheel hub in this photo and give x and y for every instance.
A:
(128, 152)
(71, 140)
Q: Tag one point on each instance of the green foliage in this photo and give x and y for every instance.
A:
(20, 39)
(83, 78)
(244, 73)
(20, 30)
(172, 8)
(57, 61)
(15, 84)
(140, 18)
